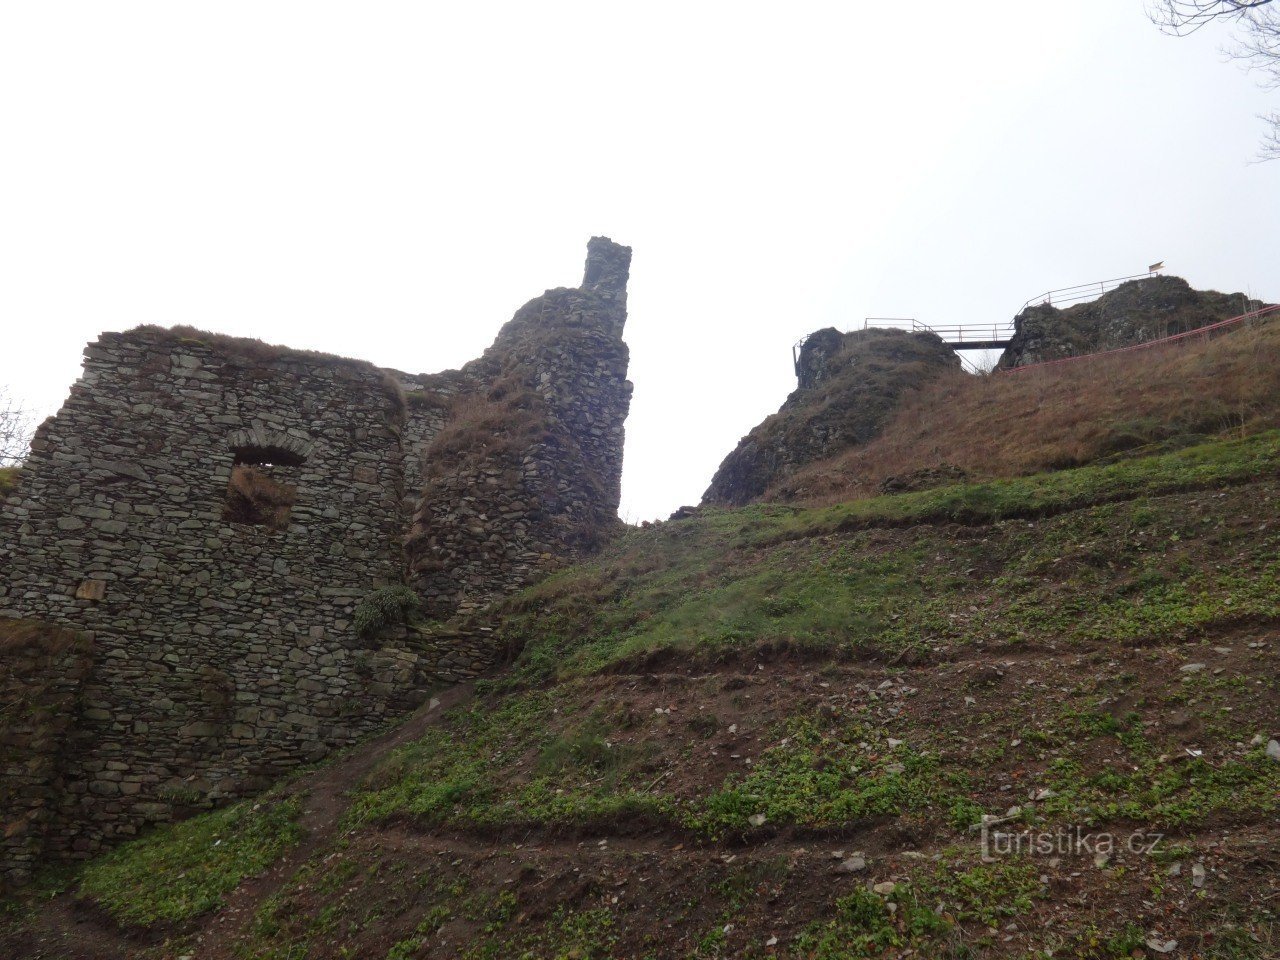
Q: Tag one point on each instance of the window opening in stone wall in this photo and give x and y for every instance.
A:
(259, 492)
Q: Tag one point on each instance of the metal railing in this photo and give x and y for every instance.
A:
(1082, 291)
(896, 323)
(968, 333)
(994, 335)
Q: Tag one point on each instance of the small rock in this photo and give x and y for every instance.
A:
(855, 864)
(1197, 874)
(1162, 946)
(1192, 668)
(894, 768)
(771, 942)
(1273, 750)
(885, 888)
(757, 819)
(894, 744)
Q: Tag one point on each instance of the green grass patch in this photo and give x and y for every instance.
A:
(831, 779)
(927, 912)
(464, 775)
(1208, 465)
(1160, 793)
(1108, 562)
(182, 870)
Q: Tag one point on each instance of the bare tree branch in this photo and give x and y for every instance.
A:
(1256, 25)
(1183, 17)
(16, 428)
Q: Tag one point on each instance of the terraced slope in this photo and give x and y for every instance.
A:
(775, 732)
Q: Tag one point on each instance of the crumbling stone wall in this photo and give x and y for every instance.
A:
(225, 654)
(44, 670)
(522, 459)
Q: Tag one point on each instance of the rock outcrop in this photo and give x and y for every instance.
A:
(1134, 312)
(849, 384)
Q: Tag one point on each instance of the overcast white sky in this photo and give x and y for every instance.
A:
(391, 181)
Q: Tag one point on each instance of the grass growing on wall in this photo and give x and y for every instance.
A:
(8, 480)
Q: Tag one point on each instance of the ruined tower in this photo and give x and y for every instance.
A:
(205, 513)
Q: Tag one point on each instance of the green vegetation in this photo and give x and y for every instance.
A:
(924, 912)
(455, 774)
(384, 607)
(1208, 466)
(1108, 561)
(1163, 794)
(9, 479)
(704, 714)
(184, 869)
(818, 780)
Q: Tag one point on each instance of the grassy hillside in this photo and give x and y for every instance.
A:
(1055, 417)
(773, 732)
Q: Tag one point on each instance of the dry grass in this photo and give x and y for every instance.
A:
(254, 497)
(1010, 424)
(19, 637)
(497, 428)
(247, 348)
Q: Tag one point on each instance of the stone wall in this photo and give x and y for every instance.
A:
(523, 457)
(45, 668)
(225, 656)
(210, 511)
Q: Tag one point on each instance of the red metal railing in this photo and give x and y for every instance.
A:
(1206, 331)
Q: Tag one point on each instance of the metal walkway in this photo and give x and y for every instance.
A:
(996, 336)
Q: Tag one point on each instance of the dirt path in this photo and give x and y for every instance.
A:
(327, 794)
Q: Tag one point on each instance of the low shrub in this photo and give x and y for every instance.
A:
(384, 607)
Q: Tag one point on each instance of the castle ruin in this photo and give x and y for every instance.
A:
(195, 528)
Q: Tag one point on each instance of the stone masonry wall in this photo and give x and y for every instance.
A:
(225, 655)
(45, 669)
(523, 457)
(224, 651)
